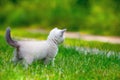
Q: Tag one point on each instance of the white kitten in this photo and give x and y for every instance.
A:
(28, 51)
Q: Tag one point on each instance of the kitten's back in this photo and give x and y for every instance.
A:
(36, 49)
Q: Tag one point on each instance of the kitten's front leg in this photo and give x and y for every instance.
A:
(47, 60)
(53, 63)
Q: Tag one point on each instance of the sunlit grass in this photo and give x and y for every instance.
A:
(69, 63)
(93, 44)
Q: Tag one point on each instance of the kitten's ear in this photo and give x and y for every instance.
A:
(55, 28)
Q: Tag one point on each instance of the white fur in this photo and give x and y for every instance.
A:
(36, 50)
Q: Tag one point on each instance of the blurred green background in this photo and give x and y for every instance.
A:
(99, 17)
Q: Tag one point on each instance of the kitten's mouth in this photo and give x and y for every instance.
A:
(61, 42)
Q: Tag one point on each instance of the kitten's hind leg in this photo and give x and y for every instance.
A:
(27, 61)
(15, 59)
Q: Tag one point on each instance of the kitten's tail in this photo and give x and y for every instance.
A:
(9, 40)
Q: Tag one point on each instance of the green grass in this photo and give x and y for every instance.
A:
(69, 63)
(93, 44)
(93, 16)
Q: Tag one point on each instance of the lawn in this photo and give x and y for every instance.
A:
(70, 64)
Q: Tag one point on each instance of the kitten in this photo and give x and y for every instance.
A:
(28, 51)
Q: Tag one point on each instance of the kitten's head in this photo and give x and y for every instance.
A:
(57, 35)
